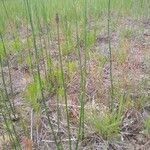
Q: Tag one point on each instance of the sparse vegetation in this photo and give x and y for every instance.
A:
(75, 74)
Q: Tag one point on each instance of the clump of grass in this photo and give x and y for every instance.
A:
(121, 54)
(32, 94)
(127, 33)
(105, 123)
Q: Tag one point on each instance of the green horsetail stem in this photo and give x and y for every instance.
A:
(111, 103)
(63, 81)
(38, 71)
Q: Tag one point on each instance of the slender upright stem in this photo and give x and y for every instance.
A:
(86, 53)
(9, 131)
(82, 83)
(10, 105)
(5, 88)
(110, 59)
(63, 81)
(38, 72)
(9, 69)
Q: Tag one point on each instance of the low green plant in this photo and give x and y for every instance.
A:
(90, 39)
(2, 52)
(105, 123)
(121, 56)
(16, 44)
(147, 124)
(127, 33)
(72, 66)
(32, 95)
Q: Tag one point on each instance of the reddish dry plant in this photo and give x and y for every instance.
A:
(27, 143)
